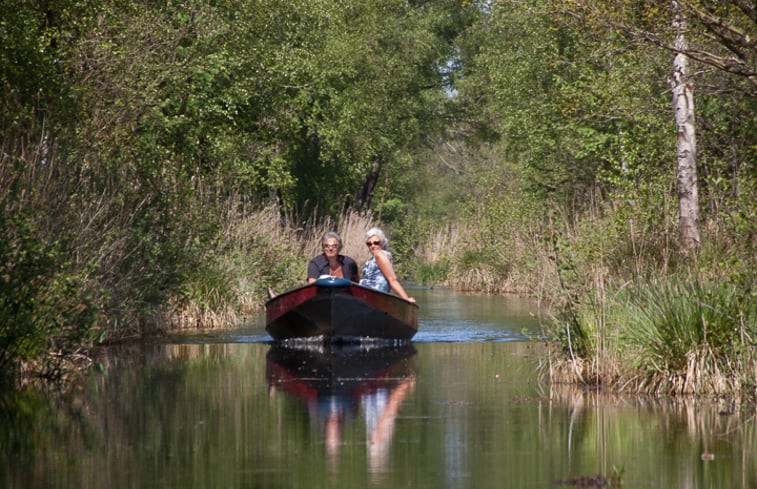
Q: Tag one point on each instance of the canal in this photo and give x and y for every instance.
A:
(461, 407)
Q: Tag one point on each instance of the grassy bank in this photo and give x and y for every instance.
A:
(636, 313)
(671, 336)
(626, 309)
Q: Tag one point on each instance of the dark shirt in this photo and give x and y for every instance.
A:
(320, 266)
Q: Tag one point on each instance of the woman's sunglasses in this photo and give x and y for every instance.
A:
(373, 243)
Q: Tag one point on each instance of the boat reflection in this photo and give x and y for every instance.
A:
(339, 382)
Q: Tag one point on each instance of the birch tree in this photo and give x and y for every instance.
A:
(718, 35)
(686, 146)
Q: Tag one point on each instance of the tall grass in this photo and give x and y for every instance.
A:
(672, 336)
(694, 337)
(629, 310)
(433, 254)
(466, 257)
(256, 251)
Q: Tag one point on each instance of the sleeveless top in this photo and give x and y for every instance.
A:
(372, 276)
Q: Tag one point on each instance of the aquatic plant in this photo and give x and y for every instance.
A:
(693, 336)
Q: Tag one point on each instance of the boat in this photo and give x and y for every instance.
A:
(335, 309)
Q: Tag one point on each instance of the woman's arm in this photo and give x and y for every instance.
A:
(385, 265)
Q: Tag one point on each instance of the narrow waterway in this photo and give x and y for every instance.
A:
(461, 407)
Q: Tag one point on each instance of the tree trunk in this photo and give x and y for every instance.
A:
(683, 108)
(365, 195)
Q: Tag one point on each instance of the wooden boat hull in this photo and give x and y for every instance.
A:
(339, 310)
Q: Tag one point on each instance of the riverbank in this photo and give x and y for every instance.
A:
(667, 324)
(673, 332)
(650, 319)
(680, 336)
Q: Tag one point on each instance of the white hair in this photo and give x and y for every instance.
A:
(333, 235)
(380, 235)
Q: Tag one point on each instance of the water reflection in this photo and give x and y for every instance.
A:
(452, 415)
(338, 382)
(226, 409)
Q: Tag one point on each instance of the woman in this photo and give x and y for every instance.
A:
(330, 262)
(378, 272)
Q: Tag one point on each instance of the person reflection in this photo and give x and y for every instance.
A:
(335, 393)
(333, 431)
(380, 409)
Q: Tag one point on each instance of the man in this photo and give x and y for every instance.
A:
(331, 262)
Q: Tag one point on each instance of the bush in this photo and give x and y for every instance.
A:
(46, 312)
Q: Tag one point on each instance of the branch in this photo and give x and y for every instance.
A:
(740, 42)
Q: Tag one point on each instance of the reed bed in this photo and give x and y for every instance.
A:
(673, 338)
(630, 312)
(257, 251)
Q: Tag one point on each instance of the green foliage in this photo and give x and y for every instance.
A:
(32, 36)
(349, 84)
(258, 262)
(46, 312)
(135, 135)
(432, 273)
(674, 322)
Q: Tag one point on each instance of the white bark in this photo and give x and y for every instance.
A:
(683, 108)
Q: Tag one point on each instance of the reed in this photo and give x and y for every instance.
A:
(433, 254)
(694, 336)
(352, 226)
(632, 312)
(674, 336)
(49, 300)
(256, 251)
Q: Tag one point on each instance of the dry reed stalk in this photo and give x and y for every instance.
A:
(352, 228)
(439, 244)
(479, 280)
(194, 317)
(568, 371)
(702, 377)
(267, 222)
(309, 232)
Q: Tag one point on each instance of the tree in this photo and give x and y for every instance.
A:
(717, 34)
(577, 109)
(363, 84)
(721, 32)
(683, 109)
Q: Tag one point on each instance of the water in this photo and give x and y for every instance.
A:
(459, 408)
(446, 316)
